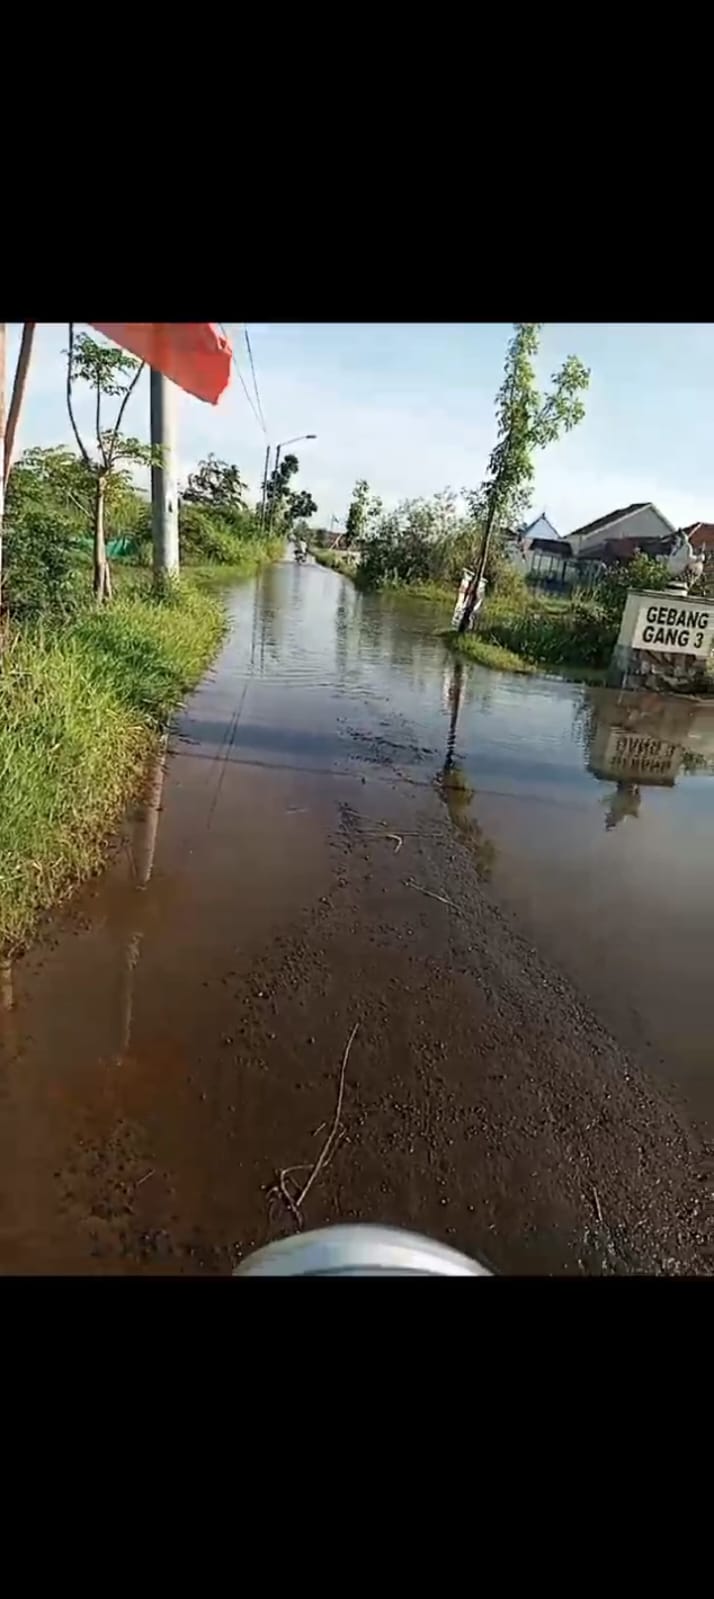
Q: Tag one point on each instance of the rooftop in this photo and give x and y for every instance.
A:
(612, 516)
(701, 535)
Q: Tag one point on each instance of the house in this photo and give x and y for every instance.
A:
(533, 535)
(528, 546)
(701, 537)
(550, 561)
(541, 528)
(641, 522)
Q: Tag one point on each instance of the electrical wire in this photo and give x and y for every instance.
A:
(255, 380)
(260, 423)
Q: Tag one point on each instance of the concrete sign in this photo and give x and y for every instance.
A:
(673, 624)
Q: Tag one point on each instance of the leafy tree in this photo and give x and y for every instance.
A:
(301, 505)
(278, 488)
(283, 504)
(54, 478)
(216, 484)
(365, 509)
(357, 514)
(49, 517)
(111, 374)
(526, 421)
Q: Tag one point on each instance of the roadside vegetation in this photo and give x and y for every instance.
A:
(422, 547)
(80, 709)
(93, 656)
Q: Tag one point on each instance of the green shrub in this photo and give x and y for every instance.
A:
(40, 577)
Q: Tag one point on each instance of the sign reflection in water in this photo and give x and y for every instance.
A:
(645, 740)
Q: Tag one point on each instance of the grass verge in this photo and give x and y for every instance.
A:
(80, 710)
(501, 659)
(336, 562)
(408, 591)
(487, 654)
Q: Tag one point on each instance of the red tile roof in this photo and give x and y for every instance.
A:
(701, 535)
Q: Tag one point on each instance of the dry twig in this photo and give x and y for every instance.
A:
(287, 1196)
(409, 883)
(334, 1137)
(598, 1206)
(328, 1146)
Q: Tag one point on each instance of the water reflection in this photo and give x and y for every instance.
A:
(141, 850)
(452, 783)
(643, 741)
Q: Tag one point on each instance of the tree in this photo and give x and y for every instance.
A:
(278, 488)
(216, 484)
(526, 421)
(111, 374)
(301, 505)
(283, 504)
(357, 514)
(365, 508)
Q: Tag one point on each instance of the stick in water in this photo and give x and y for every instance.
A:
(326, 1150)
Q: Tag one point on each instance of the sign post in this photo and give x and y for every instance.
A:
(665, 641)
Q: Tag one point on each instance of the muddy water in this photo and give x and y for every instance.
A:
(181, 1020)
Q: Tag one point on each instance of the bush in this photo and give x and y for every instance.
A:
(40, 578)
(644, 572)
(206, 535)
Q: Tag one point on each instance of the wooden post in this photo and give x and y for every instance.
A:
(18, 392)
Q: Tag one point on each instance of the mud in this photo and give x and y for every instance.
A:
(176, 1039)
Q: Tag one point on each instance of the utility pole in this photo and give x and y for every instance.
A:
(3, 333)
(164, 493)
(265, 488)
(275, 480)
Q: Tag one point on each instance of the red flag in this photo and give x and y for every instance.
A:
(195, 355)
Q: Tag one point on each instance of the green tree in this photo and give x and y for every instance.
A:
(357, 514)
(364, 511)
(216, 484)
(283, 504)
(526, 421)
(300, 505)
(111, 374)
(278, 489)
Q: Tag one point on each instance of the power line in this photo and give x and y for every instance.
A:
(261, 424)
(255, 380)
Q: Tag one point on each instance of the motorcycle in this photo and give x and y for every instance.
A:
(359, 1251)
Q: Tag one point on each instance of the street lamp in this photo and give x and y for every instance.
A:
(299, 437)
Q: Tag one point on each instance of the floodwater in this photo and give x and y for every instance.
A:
(156, 1043)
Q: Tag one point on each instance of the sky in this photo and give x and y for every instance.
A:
(410, 407)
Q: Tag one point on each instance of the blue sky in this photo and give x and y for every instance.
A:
(410, 406)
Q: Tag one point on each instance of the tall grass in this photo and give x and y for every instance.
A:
(79, 712)
(548, 633)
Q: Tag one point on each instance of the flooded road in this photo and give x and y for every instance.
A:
(506, 882)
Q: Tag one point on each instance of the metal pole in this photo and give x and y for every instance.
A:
(3, 331)
(275, 481)
(164, 496)
(265, 488)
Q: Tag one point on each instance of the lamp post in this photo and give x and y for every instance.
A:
(299, 437)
